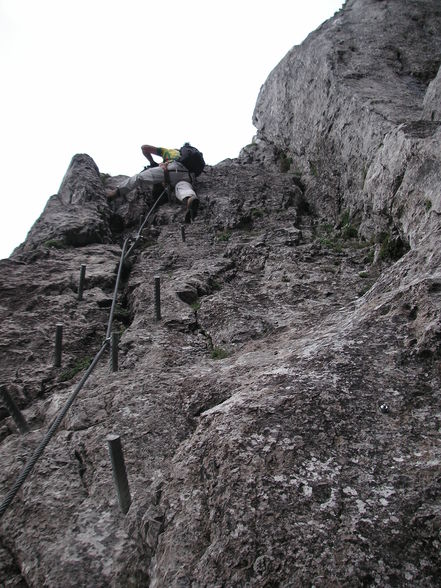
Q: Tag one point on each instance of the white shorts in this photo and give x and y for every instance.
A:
(184, 190)
(155, 175)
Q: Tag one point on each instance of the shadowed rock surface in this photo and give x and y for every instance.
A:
(282, 422)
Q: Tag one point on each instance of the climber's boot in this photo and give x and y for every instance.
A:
(192, 209)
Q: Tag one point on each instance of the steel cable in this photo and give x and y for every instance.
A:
(50, 433)
(115, 292)
(145, 221)
(56, 423)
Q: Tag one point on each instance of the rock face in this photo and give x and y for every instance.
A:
(281, 423)
(350, 92)
(432, 100)
(66, 221)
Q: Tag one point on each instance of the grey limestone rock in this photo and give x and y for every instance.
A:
(77, 215)
(281, 423)
(432, 99)
(333, 101)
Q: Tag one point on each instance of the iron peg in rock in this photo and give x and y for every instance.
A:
(183, 233)
(81, 283)
(157, 298)
(58, 344)
(119, 472)
(114, 351)
(14, 411)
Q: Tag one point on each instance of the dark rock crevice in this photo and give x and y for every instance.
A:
(10, 568)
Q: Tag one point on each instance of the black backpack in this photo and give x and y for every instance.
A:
(192, 159)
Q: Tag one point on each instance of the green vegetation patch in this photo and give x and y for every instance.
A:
(285, 163)
(82, 364)
(343, 236)
(330, 243)
(104, 177)
(345, 218)
(215, 285)
(327, 237)
(392, 248)
(363, 291)
(257, 213)
(219, 353)
(347, 228)
(55, 244)
(349, 232)
(196, 305)
(146, 243)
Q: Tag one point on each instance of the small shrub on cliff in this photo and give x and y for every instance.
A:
(285, 163)
(196, 305)
(345, 217)
(364, 173)
(370, 256)
(104, 177)
(327, 237)
(330, 244)
(326, 228)
(363, 291)
(348, 229)
(123, 314)
(82, 364)
(256, 213)
(349, 232)
(392, 249)
(54, 244)
(218, 353)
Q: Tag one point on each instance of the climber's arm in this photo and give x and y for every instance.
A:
(148, 151)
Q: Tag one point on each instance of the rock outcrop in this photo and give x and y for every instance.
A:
(349, 98)
(281, 423)
(432, 100)
(66, 221)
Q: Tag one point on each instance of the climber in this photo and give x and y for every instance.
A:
(171, 172)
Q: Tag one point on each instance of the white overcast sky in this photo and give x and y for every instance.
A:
(103, 77)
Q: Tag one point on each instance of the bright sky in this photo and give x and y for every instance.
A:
(103, 77)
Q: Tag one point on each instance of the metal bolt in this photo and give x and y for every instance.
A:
(119, 472)
(81, 284)
(13, 410)
(384, 407)
(157, 298)
(58, 344)
(114, 351)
